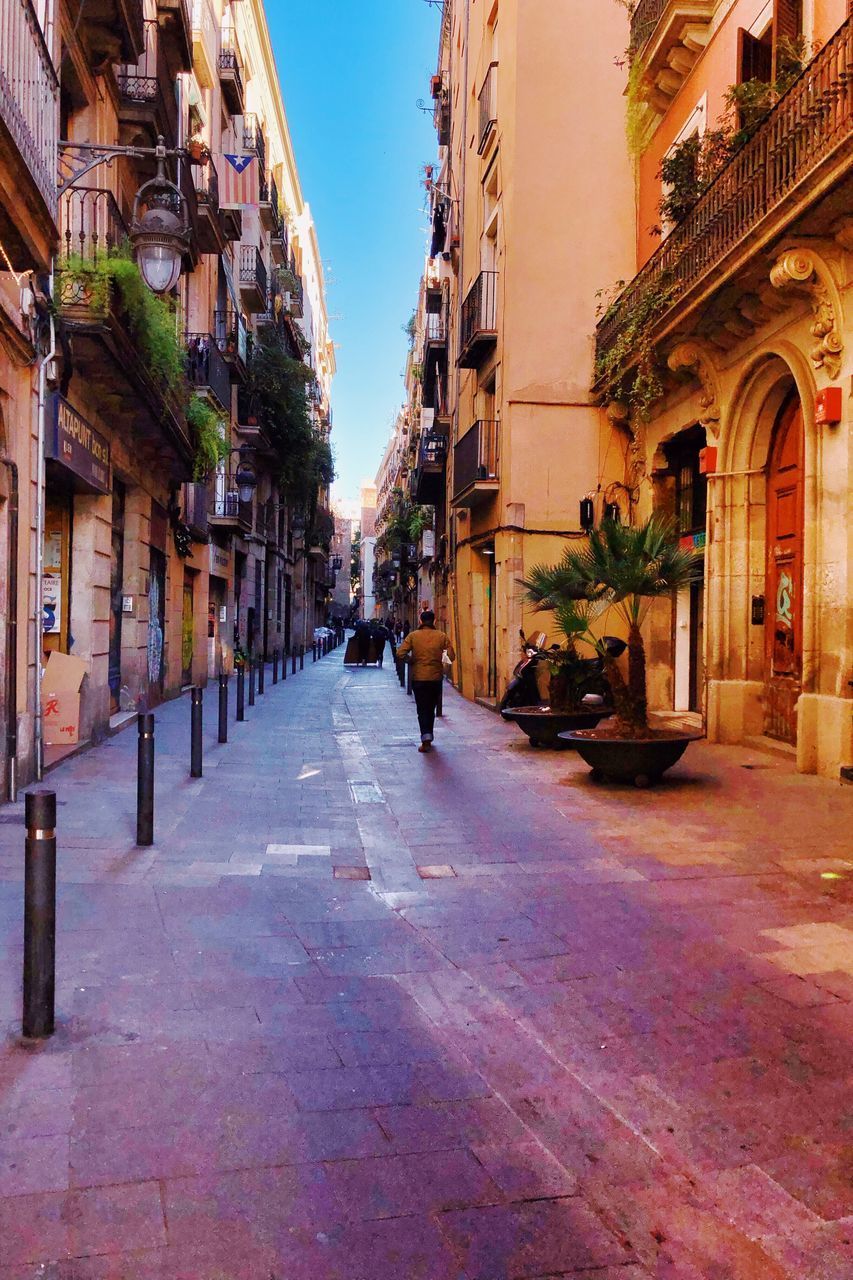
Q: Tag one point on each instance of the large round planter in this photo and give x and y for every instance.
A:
(641, 761)
(546, 728)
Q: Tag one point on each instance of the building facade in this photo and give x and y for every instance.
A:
(726, 360)
(127, 541)
(507, 435)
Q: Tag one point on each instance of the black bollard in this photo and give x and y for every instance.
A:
(401, 675)
(293, 663)
(241, 692)
(284, 664)
(145, 779)
(314, 651)
(261, 674)
(302, 657)
(196, 714)
(439, 710)
(223, 707)
(275, 666)
(409, 678)
(39, 915)
(252, 665)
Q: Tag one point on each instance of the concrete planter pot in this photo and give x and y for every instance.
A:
(641, 761)
(546, 728)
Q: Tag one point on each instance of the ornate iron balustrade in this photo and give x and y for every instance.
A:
(645, 17)
(229, 329)
(253, 138)
(29, 95)
(811, 124)
(475, 457)
(138, 82)
(433, 449)
(252, 269)
(206, 183)
(91, 226)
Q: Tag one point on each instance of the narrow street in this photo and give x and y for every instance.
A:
(362, 1014)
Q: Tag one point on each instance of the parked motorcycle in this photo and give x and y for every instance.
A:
(530, 683)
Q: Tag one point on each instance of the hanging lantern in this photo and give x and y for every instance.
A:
(160, 231)
(587, 514)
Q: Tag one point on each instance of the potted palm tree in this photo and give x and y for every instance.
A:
(621, 569)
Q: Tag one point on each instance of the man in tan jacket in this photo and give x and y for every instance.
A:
(425, 649)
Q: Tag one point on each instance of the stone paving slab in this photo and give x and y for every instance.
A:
(562, 1029)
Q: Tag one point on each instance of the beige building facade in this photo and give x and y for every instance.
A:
(123, 544)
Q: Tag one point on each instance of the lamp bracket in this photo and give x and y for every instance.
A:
(76, 159)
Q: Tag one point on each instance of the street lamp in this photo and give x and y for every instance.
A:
(160, 231)
(245, 475)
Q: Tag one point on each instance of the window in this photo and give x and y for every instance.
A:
(691, 487)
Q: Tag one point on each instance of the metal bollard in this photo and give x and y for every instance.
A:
(252, 666)
(439, 710)
(284, 664)
(261, 674)
(196, 715)
(401, 674)
(241, 693)
(145, 779)
(409, 678)
(314, 651)
(223, 707)
(293, 663)
(302, 657)
(39, 915)
(275, 666)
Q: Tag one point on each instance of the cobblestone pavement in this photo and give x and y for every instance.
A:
(363, 1014)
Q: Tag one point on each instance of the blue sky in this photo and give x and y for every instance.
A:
(351, 73)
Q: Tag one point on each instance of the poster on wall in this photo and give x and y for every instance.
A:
(52, 603)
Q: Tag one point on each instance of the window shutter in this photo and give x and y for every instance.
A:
(787, 25)
(754, 58)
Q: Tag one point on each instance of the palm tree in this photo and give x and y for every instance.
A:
(623, 568)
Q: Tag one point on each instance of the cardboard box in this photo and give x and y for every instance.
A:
(60, 699)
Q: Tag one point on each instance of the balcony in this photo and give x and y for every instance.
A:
(104, 344)
(279, 239)
(29, 130)
(211, 237)
(195, 501)
(143, 100)
(799, 155)
(232, 340)
(205, 41)
(429, 473)
(253, 139)
(231, 71)
(475, 465)
(270, 212)
(488, 108)
(179, 28)
(252, 279)
(226, 510)
(207, 370)
(479, 324)
(668, 36)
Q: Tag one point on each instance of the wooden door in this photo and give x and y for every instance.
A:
(116, 585)
(783, 630)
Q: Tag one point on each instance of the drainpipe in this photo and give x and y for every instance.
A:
(11, 673)
(38, 608)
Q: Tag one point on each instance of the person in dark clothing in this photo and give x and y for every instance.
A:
(362, 635)
(379, 636)
(406, 629)
(425, 649)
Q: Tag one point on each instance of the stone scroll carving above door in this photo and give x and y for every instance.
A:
(803, 269)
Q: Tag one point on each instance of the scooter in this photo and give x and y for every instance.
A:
(530, 679)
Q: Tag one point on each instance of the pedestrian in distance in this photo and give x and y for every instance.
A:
(378, 635)
(425, 649)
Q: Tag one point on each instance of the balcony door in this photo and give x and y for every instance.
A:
(783, 628)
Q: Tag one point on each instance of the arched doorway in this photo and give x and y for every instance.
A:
(783, 624)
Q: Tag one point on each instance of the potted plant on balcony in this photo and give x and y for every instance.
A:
(622, 569)
(198, 150)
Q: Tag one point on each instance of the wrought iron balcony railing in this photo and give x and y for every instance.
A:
(253, 138)
(229, 330)
(91, 227)
(488, 104)
(475, 459)
(29, 95)
(252, 269)
(137, 82)
(206, 183)
(807, 133)
(479, 320)
(644, 18)
(231, 70)
(206, 368)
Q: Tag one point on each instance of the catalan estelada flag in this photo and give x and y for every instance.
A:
(238, 180)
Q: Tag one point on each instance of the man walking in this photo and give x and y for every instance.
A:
(425, 648)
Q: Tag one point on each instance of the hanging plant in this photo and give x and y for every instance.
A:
(209, 429)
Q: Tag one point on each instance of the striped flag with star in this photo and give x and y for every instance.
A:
(238, 180)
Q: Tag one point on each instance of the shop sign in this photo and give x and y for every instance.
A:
(79, 447)
(220, 560)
